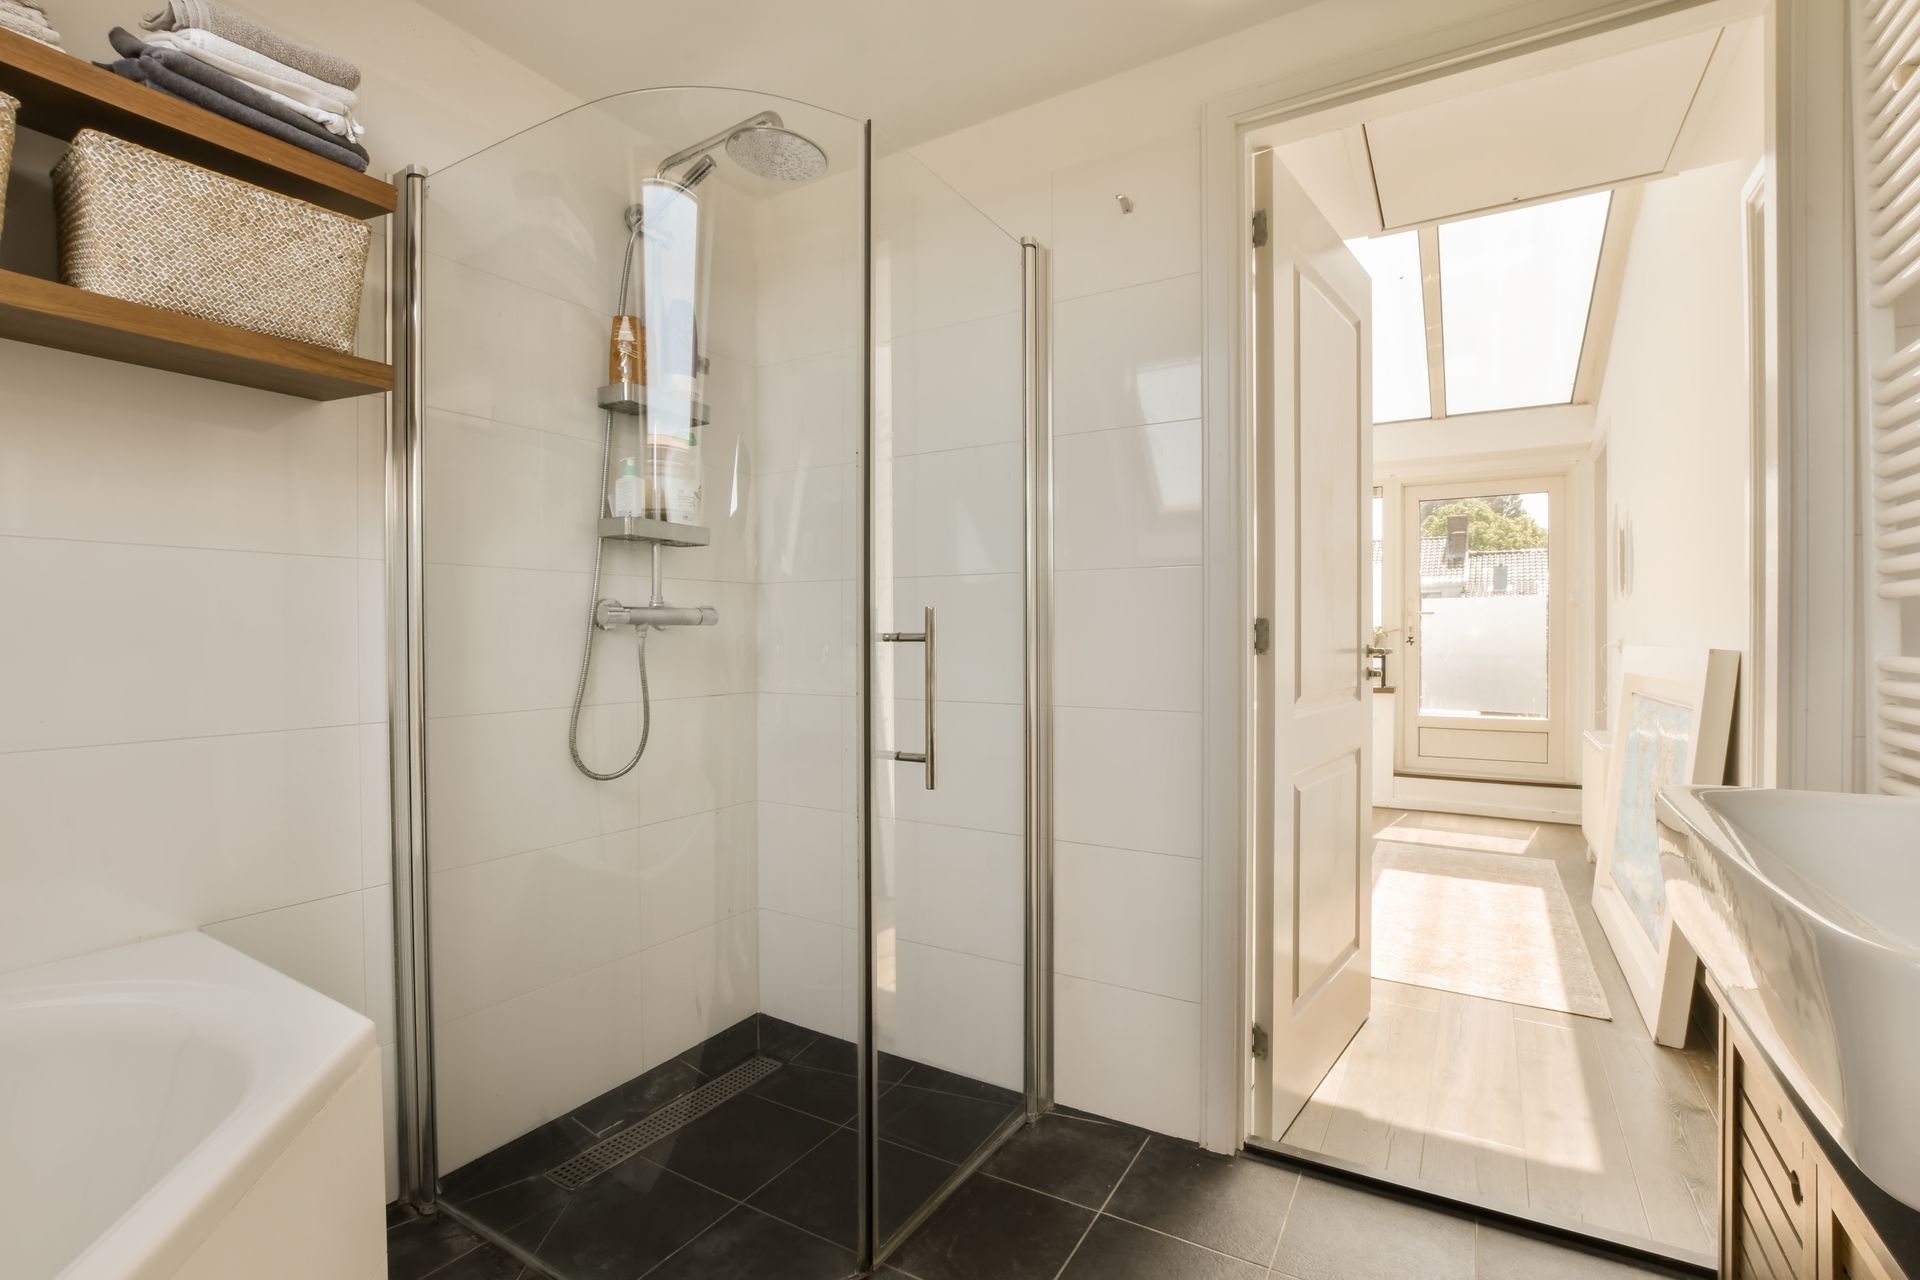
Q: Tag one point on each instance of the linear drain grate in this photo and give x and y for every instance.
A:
(635, 1138)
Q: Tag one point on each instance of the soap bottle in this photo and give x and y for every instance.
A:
(628, 490)
(627, 351)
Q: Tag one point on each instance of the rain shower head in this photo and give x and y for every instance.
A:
(762, 145)
(771, 151)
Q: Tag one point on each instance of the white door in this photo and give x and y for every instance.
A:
(1313, 556)
(1485, 634)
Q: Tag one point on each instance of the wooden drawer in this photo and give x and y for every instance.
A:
(1771, 1233)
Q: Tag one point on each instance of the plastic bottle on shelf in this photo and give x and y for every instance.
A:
(628, 499)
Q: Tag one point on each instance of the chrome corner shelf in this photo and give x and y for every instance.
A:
(631, 398)
(664, 532)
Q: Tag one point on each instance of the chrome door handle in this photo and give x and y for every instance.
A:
(922, 637)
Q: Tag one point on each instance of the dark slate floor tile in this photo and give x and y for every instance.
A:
(721, 1053)
(1065, 1156)
(740, 1146)
(639, 1097)
(1116, 1250)
(422, 1245)
(942, 1124)
(1232, 1204)
(817, 1194)
(626, 1221)
(993, 1230)
(783, 1040)
(1342, 1233)
(509, 1206)
(830, 1053)
(400, 1211)
(533, 1152)
(747, 1243)
(1507, 1255)
(922, 1076)
(484, 1263)
(826, 1094)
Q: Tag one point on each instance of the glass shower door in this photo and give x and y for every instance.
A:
(947, 635)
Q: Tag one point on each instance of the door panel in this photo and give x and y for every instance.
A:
(1312, 724)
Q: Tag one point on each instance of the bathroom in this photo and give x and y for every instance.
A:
(781, 807)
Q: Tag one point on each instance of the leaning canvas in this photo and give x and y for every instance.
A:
(1673, 720)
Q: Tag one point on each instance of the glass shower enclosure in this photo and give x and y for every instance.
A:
(715, 514)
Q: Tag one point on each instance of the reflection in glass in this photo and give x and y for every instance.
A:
(1483, 605)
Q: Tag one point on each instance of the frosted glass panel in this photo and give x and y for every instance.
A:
(1483, 605)
(1514, 293)
(1400, 389)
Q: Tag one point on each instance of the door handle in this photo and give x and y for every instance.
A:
(924, 638)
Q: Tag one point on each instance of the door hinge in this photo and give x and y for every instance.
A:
(1262, 1043)
(1259, 228)
(1262, 635)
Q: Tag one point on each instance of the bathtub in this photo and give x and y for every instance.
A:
(175, 1109)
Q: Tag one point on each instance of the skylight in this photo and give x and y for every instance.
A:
(1400, 388)
(1514, 288)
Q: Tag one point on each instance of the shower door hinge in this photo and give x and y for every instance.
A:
(1262, 1043)
(1262, 636)
(1259, 228)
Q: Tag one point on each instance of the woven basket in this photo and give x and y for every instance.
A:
(147, 228)
(9, 112)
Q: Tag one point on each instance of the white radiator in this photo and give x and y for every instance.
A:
(1887, 44)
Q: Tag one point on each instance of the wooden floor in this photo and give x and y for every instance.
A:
(1534, 1110)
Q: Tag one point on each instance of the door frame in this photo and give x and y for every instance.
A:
(1562, 608)
(1813, 508)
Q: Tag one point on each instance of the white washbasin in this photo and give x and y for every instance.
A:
(1805, 906)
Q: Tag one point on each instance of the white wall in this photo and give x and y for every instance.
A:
(1673, 409)
(192, 666)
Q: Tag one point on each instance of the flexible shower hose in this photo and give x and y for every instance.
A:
(593, 593)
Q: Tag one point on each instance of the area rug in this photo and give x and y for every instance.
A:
(1481, 924)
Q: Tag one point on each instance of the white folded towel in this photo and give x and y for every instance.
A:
(328, 104)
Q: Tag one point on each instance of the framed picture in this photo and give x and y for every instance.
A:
(1672, 719)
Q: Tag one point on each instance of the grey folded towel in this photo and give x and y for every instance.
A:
(230, 24)
(149, 71)
(187, 67)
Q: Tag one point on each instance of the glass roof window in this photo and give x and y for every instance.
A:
(1400, 386)
(1514, 292)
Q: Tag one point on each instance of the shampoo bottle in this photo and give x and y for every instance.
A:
(628, 490)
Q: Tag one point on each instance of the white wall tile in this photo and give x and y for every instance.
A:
(801, 975)
(1097, 247)
(104, 845)
(1128, 919)
(805, 637)
(207, 466)
(1128, 357)
(951, 888)
(809, 413)
(979, 632)
(321, 943)
(801, 521)
(699, 662)
(980, 765)
(376, 911)
(376, 809)
(961, 511)
(1131, 638)
(1128, 1055)
(955, 1011)
(684, 878)
(506, 927)
(371, 674)
(701, 756)
(805, 861)
(699, 984)
(803, 750)
(959, 386)
(1128, 779)
(1128, 498)
(198, 642)
(509, 496)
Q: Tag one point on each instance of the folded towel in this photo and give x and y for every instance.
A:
(211, 15)
(151, 73)
(29, 27)
(329, 104)
(178, 64)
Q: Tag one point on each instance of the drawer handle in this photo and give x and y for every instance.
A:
(1793, 1183)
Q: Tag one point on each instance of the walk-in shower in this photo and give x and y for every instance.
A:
(738, 973)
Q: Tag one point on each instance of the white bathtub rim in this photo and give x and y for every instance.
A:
(302, 1047)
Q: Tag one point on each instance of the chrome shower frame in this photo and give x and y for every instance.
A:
(416, 1117)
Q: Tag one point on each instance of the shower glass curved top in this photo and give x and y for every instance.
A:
(726, 913)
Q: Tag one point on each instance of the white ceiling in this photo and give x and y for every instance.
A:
(918, 68)
(1576, 127)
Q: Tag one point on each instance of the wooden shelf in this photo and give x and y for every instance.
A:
(60, 95)
(54, 315)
